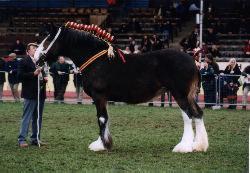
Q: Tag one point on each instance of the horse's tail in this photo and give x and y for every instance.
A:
(193, 91)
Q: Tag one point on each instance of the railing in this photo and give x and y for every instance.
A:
(216, 92)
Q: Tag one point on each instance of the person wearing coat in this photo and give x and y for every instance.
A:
(232, 73)
(2, 77)
(11, 69)
(60, 73)
(29, 75)
(208, 85)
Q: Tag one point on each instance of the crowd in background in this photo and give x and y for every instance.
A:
(214, 80)
(59, 71)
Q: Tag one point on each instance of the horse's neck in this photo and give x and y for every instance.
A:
(80, 56)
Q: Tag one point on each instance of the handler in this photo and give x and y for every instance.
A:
(28, 75)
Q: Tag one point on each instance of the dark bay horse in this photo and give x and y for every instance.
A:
(128, 78)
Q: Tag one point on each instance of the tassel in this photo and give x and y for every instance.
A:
(111, 51)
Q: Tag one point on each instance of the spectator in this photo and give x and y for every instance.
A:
(208, 84)
(60, 73)
(145, 44)
(246, 85)
(127, 50)
(2, 77)
(137, 49)
(131, 44)
(11, 68)
(232, 73)
(184, 44)
(18, 48)
(247, 48)
(192, 40)
(28, 75)
(167, 31)
(211, 36)
(214, 51)
(210, 60)
(156, 43)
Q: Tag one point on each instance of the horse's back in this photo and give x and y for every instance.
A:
(142, 76)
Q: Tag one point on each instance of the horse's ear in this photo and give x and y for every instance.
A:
(46, 29)
(52, 30)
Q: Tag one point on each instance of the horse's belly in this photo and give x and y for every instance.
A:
(135, 92)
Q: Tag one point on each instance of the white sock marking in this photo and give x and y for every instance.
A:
(102, 120)
(188, 136)
(201, 139)
(97, 145)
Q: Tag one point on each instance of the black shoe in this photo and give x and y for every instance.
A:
(151, 104)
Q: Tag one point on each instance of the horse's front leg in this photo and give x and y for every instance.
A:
(104, 141)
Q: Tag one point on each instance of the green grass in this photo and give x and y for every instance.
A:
(143, 141)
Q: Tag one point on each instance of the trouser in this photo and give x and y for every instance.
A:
(245, 93)
(79, 93)
(163, 98)
(1, 92)
(30, 113)
(61, 88)
(14, 91)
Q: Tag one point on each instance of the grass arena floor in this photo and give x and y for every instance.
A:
(143, 141)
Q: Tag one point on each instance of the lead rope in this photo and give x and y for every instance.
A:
(38, 110)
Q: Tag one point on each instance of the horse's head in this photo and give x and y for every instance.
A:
(48, 49)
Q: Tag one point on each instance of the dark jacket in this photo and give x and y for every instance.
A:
(2, 74)
(12, 66)
(65, 67)
(25, 74)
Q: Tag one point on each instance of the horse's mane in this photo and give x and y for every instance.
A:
(90, 31)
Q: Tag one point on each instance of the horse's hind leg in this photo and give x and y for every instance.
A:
(188, 142)
(104, 141)
(201, 139)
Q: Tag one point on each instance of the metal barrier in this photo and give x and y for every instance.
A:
(215, 92)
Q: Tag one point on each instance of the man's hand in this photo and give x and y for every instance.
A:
(37, 71)
(46, 79)
(60, 72)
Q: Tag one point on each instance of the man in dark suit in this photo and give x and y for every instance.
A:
(2, 77)
(28, 74)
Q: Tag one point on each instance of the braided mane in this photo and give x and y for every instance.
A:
(93, 29)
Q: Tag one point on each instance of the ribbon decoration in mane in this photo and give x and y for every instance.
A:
(100, 34)
(92, 29)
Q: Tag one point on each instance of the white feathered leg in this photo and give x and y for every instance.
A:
(201, 139)
(97, 145)
(186, 144)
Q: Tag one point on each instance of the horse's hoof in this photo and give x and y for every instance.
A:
(183, 148)
(97, 145)
(200, 146)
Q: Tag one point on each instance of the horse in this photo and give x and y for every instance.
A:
(110, 75)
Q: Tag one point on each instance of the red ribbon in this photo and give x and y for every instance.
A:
(121, 55)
